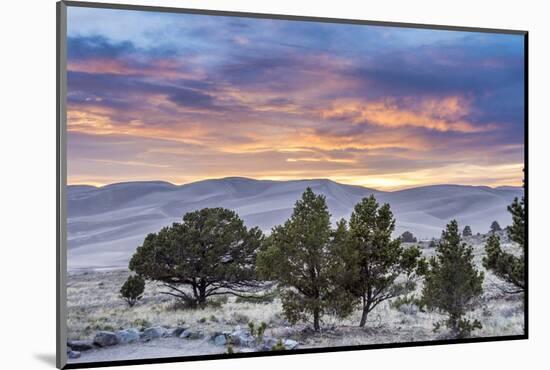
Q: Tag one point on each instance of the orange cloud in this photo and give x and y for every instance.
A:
(445, 114)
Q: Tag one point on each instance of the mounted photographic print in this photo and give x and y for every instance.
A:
(236, 184)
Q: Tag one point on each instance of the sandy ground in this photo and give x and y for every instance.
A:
(158, 348)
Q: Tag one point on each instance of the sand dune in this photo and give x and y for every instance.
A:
(106, 224)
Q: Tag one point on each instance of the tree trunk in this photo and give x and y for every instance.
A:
(366, 308)
(316, 315)
(202, 296)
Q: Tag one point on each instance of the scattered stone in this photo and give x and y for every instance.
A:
(73, 354)
(191, 334)
(176, 332)
(268, 344)
(128, 335)
(105, 339)
(242, 338)
(153, 333)
(220, 340)
(290, 344)
(80, 345)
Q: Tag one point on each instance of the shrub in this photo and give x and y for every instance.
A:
(132, 289)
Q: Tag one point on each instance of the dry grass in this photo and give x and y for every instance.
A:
(93, 304)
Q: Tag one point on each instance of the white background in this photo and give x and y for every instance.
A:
(27, 185)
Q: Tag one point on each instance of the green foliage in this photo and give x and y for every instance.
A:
(453, 284)
(495, 227)
(279, 346)
(296, 256)
(261, 331)
(408, 237)
(507, 266)
(230, 349)
(132, 289)
(374, 268)
(467, 231)
(251, 328)
(211, 252)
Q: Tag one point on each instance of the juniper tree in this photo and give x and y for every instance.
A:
(507, 266)
(467, 231)
(408, 237)
(132, 289)
(211, 252)
(296, 256)
(378, 267)
(452, 283)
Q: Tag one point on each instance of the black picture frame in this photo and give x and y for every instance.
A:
(61, 184)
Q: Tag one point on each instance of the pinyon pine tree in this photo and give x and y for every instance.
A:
(376, 267)
(296, 256)
(507, 266)
(453, 284)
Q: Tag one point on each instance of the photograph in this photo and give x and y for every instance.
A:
(252, 184)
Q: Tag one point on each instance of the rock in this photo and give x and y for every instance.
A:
(192, 334)
(154, 332)
(128, 336)
(267, 344)
(185, 334)
(220, 340)
(176, 332)
(105, 339)
(242, 338)
(290, 344)
(73, 354)
(80, 345)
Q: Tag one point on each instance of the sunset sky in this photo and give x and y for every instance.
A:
(181, 98)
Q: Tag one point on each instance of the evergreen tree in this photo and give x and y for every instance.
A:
(408, 237)
(507, 266)
(495, 227)
(374, 261)
(467, 231)
(297, 257)
(453, 284)
(211, 252)
(132, 289)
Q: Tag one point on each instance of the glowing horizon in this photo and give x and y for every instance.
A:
(183, 98)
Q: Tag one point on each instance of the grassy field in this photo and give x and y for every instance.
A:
(94, 304)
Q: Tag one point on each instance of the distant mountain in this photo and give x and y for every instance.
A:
(106, 224)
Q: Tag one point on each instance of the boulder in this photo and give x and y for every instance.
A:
(290, 344)
(192, 334)
(73, 354)
(242, 338)
(80, 345)
(154, 332)
(128, 335)
(176, 332)
(267, 344)
(220, 340)
(105, 339)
